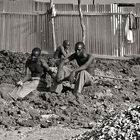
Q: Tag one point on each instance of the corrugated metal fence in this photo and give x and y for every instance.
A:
(22, 29)
(105, 28)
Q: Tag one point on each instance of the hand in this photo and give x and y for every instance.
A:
(19, 83)
(72, 77)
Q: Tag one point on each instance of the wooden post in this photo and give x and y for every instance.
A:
(52, 12)
(52, 7)
(3, 26)
(82, 22)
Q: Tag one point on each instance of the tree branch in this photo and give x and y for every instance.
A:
(82, 22)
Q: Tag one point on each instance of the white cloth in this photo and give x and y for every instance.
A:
(128, 31)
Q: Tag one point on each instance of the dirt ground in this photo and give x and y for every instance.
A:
(42, 114)
(52, 133)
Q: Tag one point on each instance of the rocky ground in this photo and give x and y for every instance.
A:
(101, 106)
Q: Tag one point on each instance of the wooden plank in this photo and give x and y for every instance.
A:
(97, 56)
(65, 13)
(20, 13)
(111, 57)
(115, 1)
(75, 13)
(132, 55)
(66, 1)
(42, 1)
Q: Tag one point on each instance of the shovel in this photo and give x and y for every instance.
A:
(129, 79)
(14, 92)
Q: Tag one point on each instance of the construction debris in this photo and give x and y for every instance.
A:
(105, 99)
(124, 126)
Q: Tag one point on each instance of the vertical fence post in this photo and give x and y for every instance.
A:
(3, 25)
(53, 14)
(119, 38)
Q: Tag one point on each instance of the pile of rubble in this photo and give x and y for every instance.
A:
(125, 126)
(105, 99)
(11, 66)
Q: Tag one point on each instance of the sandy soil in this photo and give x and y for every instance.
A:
(52, 133)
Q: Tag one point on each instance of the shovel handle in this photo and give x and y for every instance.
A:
(130, 80)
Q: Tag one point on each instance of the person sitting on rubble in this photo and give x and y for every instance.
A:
(81, 76)
(62, 51)
(35, 75)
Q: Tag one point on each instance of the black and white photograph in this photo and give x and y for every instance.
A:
(69, 69)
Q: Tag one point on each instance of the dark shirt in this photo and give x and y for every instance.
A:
(36, 68)
(82, 60)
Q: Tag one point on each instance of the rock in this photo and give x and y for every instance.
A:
(6, 96)
(26, 123)
(34, 113)
(49, 116)
(45, 124)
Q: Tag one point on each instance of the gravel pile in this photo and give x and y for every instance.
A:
(11, 66)
(14, 115)
(125, 126)
(104, 100)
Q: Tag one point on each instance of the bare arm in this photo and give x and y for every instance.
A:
(27, 75)
(64, 52)
(60, 69)
(46, 66)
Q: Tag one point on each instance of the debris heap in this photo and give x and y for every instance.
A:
(105, 99)
(125, 126)
(11, 66)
